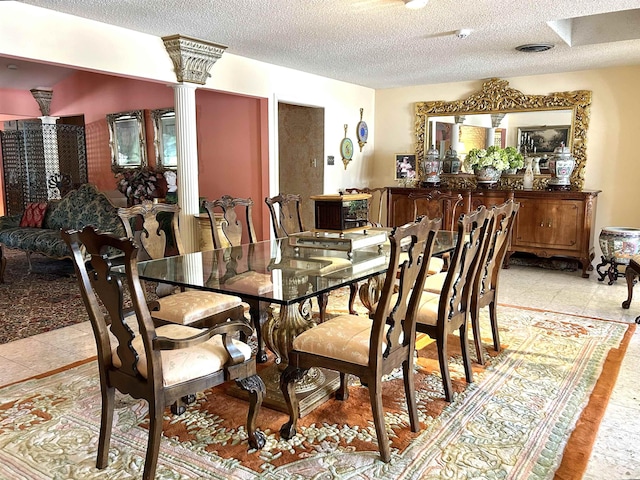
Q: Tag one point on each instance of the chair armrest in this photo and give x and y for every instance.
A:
(224, 329)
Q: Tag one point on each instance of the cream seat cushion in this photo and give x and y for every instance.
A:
(187, 363)
(428, 310)
(251, 283)
(187, 307)
(345, 338)
(434, 283)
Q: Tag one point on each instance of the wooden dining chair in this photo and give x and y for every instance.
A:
(485, 287)
(154, 227)
(441, 314)
(286, 220)
(237, 229)
(437, 204)
(370, 348)
(285, 214)
(158, 364)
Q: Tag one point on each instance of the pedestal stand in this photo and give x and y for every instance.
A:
(611, 272)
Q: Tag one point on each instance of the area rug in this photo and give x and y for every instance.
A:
(36, 301)
(512, 423)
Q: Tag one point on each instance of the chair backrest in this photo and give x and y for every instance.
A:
(378, 196)
(148, 224)
(394, 320)
(437, 204)
(456, 290)
(496, 246)
(232, 227)
(102, 283)
(287, 219)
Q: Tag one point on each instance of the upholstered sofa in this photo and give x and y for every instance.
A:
(79, 208)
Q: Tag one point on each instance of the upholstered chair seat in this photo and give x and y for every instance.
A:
(188, 363)
(191, 306)
(345, 338)
(251, 282)
(434, 283)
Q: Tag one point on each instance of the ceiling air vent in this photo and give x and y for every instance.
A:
(535, 47)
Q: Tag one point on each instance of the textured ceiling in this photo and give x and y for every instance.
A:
(382, 44)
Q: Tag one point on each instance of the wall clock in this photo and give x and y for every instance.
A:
(346, 148)
(362, 131)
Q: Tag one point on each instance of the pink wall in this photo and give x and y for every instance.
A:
(18, 102)
(232, 134)
(232, 156)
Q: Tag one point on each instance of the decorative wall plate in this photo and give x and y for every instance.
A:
(362, 131)
(346, 148)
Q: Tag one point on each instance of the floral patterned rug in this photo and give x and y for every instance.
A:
(512, 423)
(38, 301)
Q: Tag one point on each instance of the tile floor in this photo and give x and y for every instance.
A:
(615, 454)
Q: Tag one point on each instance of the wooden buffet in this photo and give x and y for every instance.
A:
(549, 223)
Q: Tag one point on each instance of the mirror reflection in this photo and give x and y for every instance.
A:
(164, 127)
(127, 140)
(537, 133)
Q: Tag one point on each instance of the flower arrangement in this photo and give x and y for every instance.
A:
(493, 156)
(138, 184)
(515, 158)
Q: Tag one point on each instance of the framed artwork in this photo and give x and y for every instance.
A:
(405, 165)
(544, 139)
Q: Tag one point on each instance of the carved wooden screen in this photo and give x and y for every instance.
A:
(41, 163)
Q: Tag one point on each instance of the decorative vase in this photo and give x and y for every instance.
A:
(487, 176)
(561, 165)
(536, 165)
(527, 179)
(451, 163)
(619, 243)
(510, 171)
(431, 168)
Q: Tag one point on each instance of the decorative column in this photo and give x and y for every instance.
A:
(496, 119)
(49, 142)
(455, 132)
(192, 59)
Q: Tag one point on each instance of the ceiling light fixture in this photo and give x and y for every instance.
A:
(535, 47)
(12, 66)
(415, 4)
(463, 33)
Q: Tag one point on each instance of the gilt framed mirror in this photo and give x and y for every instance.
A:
(127, 140)
(164, 137)
(522, 112)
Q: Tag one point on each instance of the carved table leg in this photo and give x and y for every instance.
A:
(258, 313)
(255, 387)
(353, 289)
(370, 291)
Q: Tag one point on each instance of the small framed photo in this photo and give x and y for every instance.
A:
(544, 139)
(405, 166)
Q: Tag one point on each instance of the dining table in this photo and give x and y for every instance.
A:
(284, 275)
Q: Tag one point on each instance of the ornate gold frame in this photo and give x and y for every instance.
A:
(496, 96)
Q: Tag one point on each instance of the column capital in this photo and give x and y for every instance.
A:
(43, 97)
(459, 119)
(192, 58)
(496, 119)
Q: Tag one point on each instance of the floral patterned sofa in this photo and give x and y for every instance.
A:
(79, 208)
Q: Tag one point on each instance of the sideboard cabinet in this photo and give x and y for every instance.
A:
(548, 224)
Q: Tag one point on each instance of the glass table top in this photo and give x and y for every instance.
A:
(274, 270)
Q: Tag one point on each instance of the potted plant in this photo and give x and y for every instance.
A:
(487, 164)
(139, 184)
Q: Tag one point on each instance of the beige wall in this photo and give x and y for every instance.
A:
(613, 159)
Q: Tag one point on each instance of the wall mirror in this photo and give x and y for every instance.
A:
(127, 140)
(164, 139)
(546, 116)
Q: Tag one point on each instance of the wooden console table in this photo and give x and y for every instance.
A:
(549, 223)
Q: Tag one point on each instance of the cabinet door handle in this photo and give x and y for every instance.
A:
(549, 224)
(542, 224)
